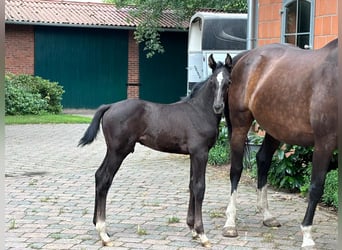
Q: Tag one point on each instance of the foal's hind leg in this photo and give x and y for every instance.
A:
(264, 160)
(103, 180)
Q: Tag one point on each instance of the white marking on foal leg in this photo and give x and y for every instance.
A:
(194, 234)
(231, 211)
(204, 240)
(262, 203)
(101, 229)
(307, 237)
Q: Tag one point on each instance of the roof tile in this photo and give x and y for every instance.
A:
(57, 12)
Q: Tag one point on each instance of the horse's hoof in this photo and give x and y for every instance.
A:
(229, 232)
(271, 222)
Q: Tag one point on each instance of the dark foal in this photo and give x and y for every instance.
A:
(189, 127)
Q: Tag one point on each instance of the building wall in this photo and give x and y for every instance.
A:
(133, 67)
(22, 57)
(269, 23)
(325, 24)
(19, 46)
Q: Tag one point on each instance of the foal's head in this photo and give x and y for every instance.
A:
(219, 81)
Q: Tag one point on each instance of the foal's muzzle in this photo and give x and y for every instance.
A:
(218, 108)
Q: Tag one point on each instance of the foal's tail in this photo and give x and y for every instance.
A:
(90, 135)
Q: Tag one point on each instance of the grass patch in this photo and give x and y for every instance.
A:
(56, 236)
(13, 224)
(216, 214)
(46, 119)
(173, 219)
(141, 231)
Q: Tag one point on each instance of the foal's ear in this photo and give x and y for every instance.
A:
(229, 62)
(211, 62)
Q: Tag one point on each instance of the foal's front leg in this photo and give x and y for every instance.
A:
(197, 190)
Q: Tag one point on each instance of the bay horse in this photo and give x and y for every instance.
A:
(292, 94)
(189, 126)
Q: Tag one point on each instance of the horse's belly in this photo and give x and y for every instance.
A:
(289, 133)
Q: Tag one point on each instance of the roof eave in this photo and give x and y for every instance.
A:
(73, 25)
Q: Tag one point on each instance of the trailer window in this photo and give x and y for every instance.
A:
(224, 34)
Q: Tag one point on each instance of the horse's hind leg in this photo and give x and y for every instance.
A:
(103, 180)
(321, 159)
(264, 160)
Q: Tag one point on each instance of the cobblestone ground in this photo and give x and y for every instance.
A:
(50, 196)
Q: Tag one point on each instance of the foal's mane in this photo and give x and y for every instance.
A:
(198, 86)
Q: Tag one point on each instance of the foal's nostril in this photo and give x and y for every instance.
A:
(218, 108)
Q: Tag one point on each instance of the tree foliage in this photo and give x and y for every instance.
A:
(149, 13)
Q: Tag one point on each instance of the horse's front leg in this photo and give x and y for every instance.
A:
(237, 144)
(320, 164)
(197, 190)
(264, 160)
(103, 180)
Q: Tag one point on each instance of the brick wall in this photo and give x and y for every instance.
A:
(326, 22)
(269, 25)
(133, 67)
(19, 46)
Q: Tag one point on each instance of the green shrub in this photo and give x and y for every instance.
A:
(25, 94)
(330, 196)
(291, 170)
(290, 166)
(20, 102)
(219, 153)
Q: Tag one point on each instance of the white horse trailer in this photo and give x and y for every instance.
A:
(217, 34)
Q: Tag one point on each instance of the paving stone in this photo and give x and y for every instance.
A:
(50, 199)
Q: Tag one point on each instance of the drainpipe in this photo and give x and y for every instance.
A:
(252, 24)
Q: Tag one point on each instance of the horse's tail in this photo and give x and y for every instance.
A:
(90, 135)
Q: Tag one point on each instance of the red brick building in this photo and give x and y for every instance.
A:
(315, 19)
(89, 48)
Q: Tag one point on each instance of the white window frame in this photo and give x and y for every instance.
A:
(312, 22)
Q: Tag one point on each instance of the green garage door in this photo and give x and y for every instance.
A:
(163, 77)
(91, 64)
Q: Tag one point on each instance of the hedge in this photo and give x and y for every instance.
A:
(26, 94)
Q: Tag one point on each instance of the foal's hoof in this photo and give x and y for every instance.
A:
(108, 243)
(194, 235)
(271, 222)
(206, 244)
(229, 232)
(201, 237)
